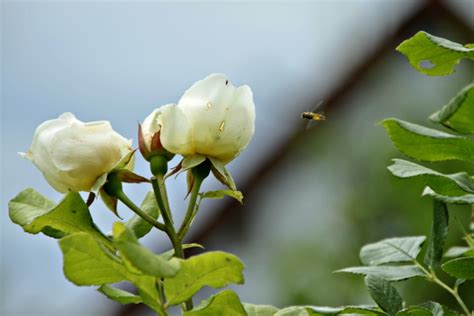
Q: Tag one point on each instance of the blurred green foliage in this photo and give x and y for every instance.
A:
(344, 161)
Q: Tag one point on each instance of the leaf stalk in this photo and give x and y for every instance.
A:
(431, 276)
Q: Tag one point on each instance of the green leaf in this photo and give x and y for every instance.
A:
(427, 309)
(399, 249)
(137, 224)
(442, 55)
(426, 144)
(463, 199)
(140, 258)
(28, 205)
(148, 291)
(439, 232)
(359, 310)
(70, 216)
(317, 310)
(390, 273)
(118, 295)
(458, 114)
(220, 194)
(293, 311)
(461, 268)
(86, 262)
(225, 303)
(437, 309)
(260, 310)
(447, 184)
(415, 311)
(454, 252)
(215, 269)
(384, 294)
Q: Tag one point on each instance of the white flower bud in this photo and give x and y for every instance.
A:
(72, 154)
(151, 126)
(213, 119)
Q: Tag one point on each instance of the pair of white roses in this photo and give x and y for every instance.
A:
(213, 119)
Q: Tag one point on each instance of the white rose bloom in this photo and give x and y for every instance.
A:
(72, 154)
(213, 119)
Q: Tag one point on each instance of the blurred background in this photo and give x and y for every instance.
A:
(313, 196)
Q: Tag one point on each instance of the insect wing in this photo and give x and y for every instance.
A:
(317, 106)
(311, 123)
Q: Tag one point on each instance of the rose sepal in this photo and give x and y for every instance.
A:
(120, 172)
(222, 174)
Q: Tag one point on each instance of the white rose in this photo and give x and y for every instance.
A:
(213, 119)
(72, 154)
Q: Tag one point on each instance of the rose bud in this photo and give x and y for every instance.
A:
(149, 141)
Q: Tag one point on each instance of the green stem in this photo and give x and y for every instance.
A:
(166, 214)
(162, 200)
(190, 213)
(471, 222)
(453, 293)
(467, 236)
(159, 287)
(179, 252)
(125, 200)
(470, 235)
(431, 275)
(469, 241)
(164, 194)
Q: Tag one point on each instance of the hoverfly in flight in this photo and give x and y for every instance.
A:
(313, 116)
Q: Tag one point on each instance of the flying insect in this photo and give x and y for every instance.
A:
(313, 116)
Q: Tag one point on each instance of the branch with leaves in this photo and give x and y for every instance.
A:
(209, 127)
